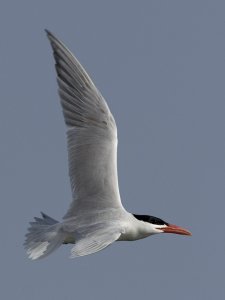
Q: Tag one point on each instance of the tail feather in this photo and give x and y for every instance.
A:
(43, 237)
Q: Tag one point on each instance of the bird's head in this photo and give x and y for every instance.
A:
(160, 226)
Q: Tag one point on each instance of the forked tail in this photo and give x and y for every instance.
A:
(44, 236)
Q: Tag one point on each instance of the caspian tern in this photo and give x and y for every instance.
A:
(96, 217)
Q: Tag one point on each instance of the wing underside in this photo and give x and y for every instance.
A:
(91, 135)
(95, 238)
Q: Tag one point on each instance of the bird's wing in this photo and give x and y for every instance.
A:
(91, 135)
(95, 238)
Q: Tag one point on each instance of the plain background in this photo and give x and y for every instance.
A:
(160, 65)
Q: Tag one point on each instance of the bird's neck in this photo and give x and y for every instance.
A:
(136, 230)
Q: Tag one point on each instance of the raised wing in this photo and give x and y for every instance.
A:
(91, 135)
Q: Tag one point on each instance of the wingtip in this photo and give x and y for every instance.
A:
(47, 31)
(50, 35)
(43, 215)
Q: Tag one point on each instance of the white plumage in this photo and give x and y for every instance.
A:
(96, 217)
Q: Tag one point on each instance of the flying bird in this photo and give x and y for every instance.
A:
(96, 217)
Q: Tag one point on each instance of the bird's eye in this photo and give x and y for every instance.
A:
(156, 221)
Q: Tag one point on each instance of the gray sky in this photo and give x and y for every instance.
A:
(160, 65)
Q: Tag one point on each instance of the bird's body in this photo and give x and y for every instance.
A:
(96, 217)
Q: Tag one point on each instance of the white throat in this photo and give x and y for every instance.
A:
(135, 229)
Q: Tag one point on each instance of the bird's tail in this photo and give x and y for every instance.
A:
(44, 236)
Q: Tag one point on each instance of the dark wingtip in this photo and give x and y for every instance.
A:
(48, 32)
(50, 35)
(43, 215)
